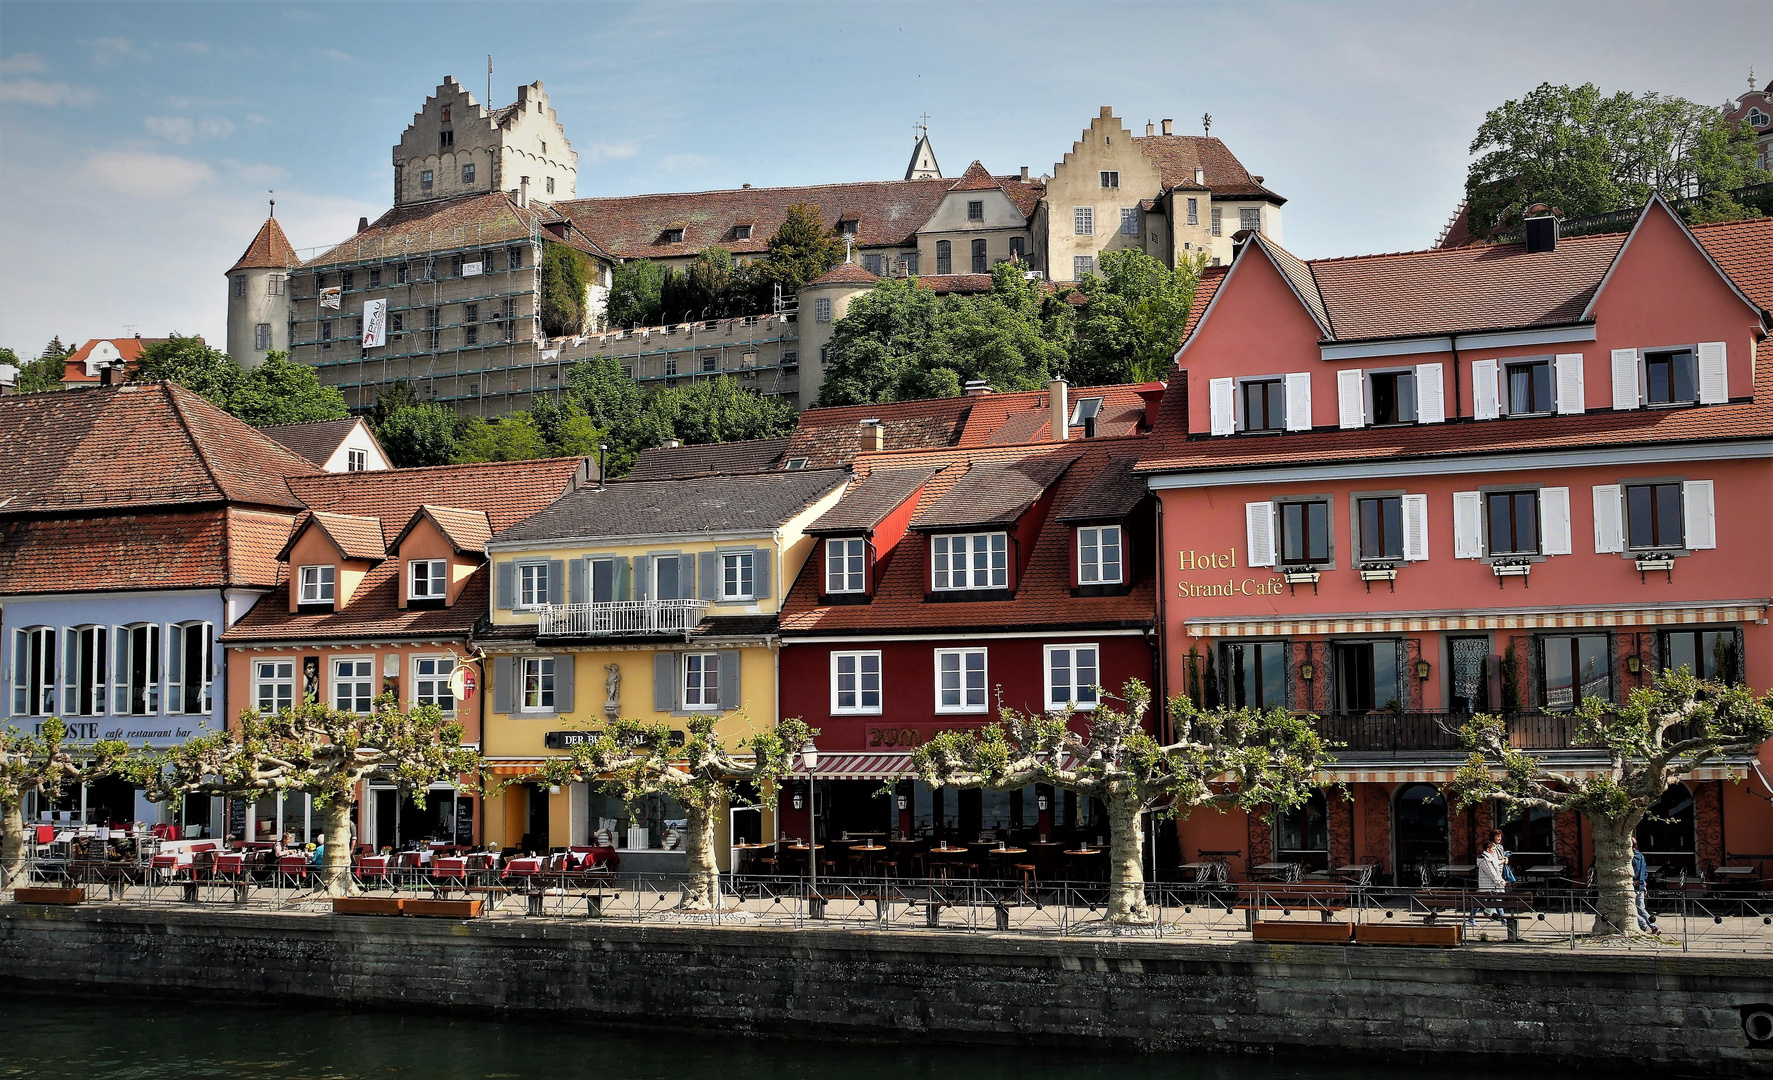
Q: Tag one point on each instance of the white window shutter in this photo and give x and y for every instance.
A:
(1699, 515)
(1486, 401)
(1351, 398)
(1220, 403)
(1554, 521)
(1431, 395)
(1416, 526)
(1299, 401)
(1259, 528)
(1625, 380)
(1569, 384)
(1714, 374)
(1468, 523)
(1609, 533)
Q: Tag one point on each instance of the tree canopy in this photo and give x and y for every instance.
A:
(1133, 316)
(43, 373)
(565, 300)
(44, 763)
(276, 392)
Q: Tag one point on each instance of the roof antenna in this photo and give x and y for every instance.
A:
(489, 104)
(1206, 123)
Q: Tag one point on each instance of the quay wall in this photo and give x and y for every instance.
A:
(1676, 1014)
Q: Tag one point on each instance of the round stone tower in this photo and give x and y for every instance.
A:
(258, 296)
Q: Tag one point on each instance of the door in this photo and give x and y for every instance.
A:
(1470, 690)
(384, 823)
(1421, 817)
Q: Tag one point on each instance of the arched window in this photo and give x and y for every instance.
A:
(33, 671)
(1420, 819)
(1302, 835)
(1667, 835)
(979, 264)
(87, 669)
(944, 257)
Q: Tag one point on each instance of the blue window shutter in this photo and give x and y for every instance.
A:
(729, 679)
(711, 575)
(664, 682)
(504, 673)
(576, 582)
(563, 683)
(556, 581)
(760, 573)
(507, 591)
(643, 577)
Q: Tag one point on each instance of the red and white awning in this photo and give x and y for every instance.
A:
(1429, 622)
(859, 766)
(1364, 773)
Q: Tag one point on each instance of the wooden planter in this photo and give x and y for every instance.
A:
(1439, 935)
(367, 905)
(1317, 932)
(44, 895)
(443, 909)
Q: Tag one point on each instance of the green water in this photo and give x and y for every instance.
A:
(79, 1039)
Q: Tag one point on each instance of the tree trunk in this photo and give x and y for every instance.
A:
(701, 888)
(1616, 910)
(12, 844)
(335, 863)
(1126, 860)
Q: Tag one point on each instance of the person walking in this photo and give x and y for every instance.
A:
(1492, 865)
(1640, 888)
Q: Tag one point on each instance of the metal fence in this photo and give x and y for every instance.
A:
(621, 617)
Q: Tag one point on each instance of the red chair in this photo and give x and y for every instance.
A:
(449, 873)
(292, 870)
(373, 870)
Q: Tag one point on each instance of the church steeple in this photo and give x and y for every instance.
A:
(923, 156)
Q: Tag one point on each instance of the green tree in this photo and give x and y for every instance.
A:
(43, 763)
(390, 399)
(566, 281)
(209, 373)
(1133, 316)
(514, 437)
(635, 294)
(801, 250)
(565, 429)
(716, 410)
(421, 434)
(43, 373)
(281, 392)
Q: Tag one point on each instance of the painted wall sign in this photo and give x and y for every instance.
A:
(1225, 559)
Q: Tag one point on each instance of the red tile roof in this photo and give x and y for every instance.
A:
(944, 284)
(845, 272)
(1022, 416)
(319, 440)
(993, 493)
(1177, 156)
(469, 221)
(466, 530)
(129, 348)
(373, 613)
(206, 548)
(137, 445)
(976, 178)
(269, 249)
(828, 437)
(506, 491)
(355, 537)
(871, 500)
(1743, 250)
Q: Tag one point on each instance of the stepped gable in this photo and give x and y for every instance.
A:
(270, 249)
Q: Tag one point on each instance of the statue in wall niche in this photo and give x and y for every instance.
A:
(612, 685)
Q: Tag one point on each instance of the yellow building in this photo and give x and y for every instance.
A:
(654, 600)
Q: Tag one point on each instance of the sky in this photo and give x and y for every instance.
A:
(139, 141)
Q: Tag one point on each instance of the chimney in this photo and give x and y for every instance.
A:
(104, 374)
(362, 224)
(1151, 129)
(977, 388)
(523, 192)
(1542, 228)
(672, 444)
(1024, 174)
(1200, 175)
(1059, 409)
(873, 434)
(1153, 395)
(1167, 124)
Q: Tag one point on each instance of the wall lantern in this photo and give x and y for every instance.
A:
(1634, 664)
(1422, 669)
(1308, 671)
(904, 803)
(553, 789)
(1045, 803)
(799, 800)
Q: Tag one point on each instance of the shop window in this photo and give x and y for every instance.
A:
(1420, 820)
(1369, 676)
(844, 564)
(273, 685)
(960, 680)
(1668, 835)
(855, 682)
(353, 685)
(33, 671)
(1302, 834)
(1099, 555)
(971, 561)
(1574, 668)
(1255, 674)
(1073, 673)
(1528, 835)
(1708, 654)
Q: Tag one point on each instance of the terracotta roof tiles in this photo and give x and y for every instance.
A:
(419, 229)
(867, 503)
(356, 537)
(845, 273)
(466, 530)
(319, 440)
(1113, 493)
(506, 491)
(374, 612)
(270, 249)
(1177, 156)
(993, 492)
(153, 550)
(976, 178)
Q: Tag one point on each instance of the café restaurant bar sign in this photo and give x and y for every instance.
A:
(1190, 561)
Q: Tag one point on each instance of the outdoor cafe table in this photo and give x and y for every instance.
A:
(942, 859)
(1084, 860)
(1278, 871)
(868, 852)
(1006, 853)
(1356, 873)
(1456, 870)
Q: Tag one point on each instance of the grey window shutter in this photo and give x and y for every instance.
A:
(729, 679)
(710, 575)
(575, 590)
(504, 672)
(563, 683)
(507, 585)
(624, 579)
(760, 573)
(643, 577)
(556, 580)
(665, 682)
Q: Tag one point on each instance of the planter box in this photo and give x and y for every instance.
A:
(367, 905)
(443, 909)
(1441, 935)
(45, 895)
(1331, 932)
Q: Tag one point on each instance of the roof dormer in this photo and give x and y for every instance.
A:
(439, 549)
(860, 534)
(329, 556)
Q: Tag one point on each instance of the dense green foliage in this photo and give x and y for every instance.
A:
(1132, 318)
(276, 392)
(43, 373)
(419, 434)
(566, 281)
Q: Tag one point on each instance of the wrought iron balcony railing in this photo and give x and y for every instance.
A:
(622, 618)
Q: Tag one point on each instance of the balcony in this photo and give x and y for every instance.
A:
(625, 618)
(1437, 733)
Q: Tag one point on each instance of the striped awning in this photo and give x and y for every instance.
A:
(859, 766)
(1461, 621)
(1363, 773)
(515, 766)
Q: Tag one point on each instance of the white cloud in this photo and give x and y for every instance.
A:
(608, 152)
(182, 129)
(38, 92)
(334, 54)
(147, 175)
(23, 64)
(109, 50)
(258, 173)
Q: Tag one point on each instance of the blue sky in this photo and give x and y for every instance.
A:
(137, 141)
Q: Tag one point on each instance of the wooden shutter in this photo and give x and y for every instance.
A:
(1568, 370)
(1299, 401)
(1431, 395)
(1554, 521)
(1714, 373)
(760, 572)
(729, 679)
(507, 590)
(664, 682)
(556, 581)
(710, 575)
(575, 591)
(1222, 406)
(1468, 522)
(1416, 527)
(643, 577)
(1259, 530)
(1486, 397)
(1351, 398)
(1608, 531)
(563, 683)
(1698, 515)
(504, 690)
(1625, 380)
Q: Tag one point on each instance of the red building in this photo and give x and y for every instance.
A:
(1404, 488)
(947, 580)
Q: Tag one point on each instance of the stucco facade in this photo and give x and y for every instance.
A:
(456, 146)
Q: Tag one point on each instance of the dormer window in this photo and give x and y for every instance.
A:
(796, 463)
(847, 227)
(741, 232)
(970, 561)
(845, 562)
(671, 236)
(1099, 555)
(317, 584)
(428, 579)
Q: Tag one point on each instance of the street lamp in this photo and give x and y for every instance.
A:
(809, 754)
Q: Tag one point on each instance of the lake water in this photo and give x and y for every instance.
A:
(79, 1039)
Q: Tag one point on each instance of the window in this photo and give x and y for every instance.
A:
(471, 335)
(791, 358)
(847, 228)
(456, 264)
(1099, 555)
(1368, 676)
(1529, 387)
(1513, 522)
(1708, 654)
(844, 561)
(909, 261)
(316, 585)
(795, 463)
(944, 257)
(467, 174)
(326, 333)
(189, 662)
(1653, 516)
(1305, 532)
(976, 210)
(670, 366)
(1082, 266)
(735, 576)
(1018, 249)
(1265, 405)
(979, 264)
(240, 285)
(1083, 220)
(273, 685)
(1302, 834)
(701, 681)
(1194, 211)
(1111, 179)
(356, 460)
(348, 280)
(1072, 673)
(874, 264)
(1671, 378)
(1250, 217)
(822, 309)
(138, 670)
(445, 140)
(710, 364)
(429, 579)
(1576, 667)
(401, 274)
(972, 561)
(538, 684)
(1216, 218)
(741, 232)
(1255, 674)
(353, 685)
(319, 282)
(532, 585)
(514, 258)
(672, 236)
(855, 682)
(1085, 412)
(261, 336)
(1129, 221)
(425, 180)
(274, 284)
(1394, 397)
(446, 114)
(549, 184)
(433, 320)
(33, 671)
(960, 680)
(669, 581)
(1382, 527)
(88, 670)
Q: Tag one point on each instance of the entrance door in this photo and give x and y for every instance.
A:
(1421, 816)
(535, 836)
(385, 822)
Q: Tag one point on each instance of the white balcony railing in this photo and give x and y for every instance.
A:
(624, 617)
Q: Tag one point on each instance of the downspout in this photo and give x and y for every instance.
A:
(1453, 340)
(1160, 663)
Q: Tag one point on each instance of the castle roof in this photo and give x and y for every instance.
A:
(269, 249)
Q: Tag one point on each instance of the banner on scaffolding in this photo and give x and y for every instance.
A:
(375, 324)
(471, 269)
(329, 297)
